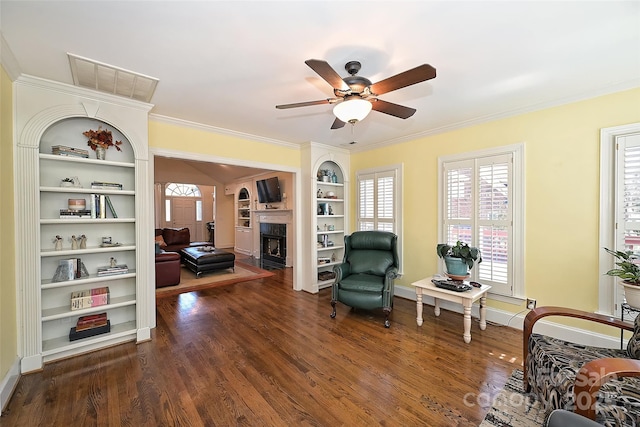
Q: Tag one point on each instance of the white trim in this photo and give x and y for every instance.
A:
(9, 383)
(518, 200)
(297, 174)
(505, 318)
(220, 131)
(606, 284)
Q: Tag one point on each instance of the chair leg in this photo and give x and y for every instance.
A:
(387, 312)
(333, 313)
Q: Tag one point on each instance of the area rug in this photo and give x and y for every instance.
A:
(189, 282)
(514, 408)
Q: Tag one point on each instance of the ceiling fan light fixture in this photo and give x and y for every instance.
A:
(352, 110)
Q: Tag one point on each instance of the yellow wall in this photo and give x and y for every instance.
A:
(562, 193)
(8, 322)
(174, 137)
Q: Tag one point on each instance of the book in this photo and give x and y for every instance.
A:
(103, 207)
(106, 185)
(74, 334)
(110, 205)
(90, 298)
(62, 150)
(90, 320)
(107, 271)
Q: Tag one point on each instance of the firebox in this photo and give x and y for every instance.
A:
(273, 243)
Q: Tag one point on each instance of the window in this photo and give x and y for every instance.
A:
(480, 203)
(378, 203)
(619, 205)
(185, 190)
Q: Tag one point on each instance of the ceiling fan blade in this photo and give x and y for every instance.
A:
(305, 104)
(337, 124)
(325, 71)
(392, 109)
(407, 78)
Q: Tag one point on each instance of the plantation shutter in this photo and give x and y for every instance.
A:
(628, 217)
(478, 211)
(494, 233)
(376, 201)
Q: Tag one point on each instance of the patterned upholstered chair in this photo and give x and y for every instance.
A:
(599, 383)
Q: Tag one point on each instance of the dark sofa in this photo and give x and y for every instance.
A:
(175, 239)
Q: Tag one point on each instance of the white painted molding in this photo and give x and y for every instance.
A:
(605, 90)
(9, 383)
(504, 318)
(220, 131)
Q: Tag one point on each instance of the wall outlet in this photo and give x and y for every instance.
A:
(531, 303)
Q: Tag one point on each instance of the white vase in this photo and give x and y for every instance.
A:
(101, 153)
(632, 294)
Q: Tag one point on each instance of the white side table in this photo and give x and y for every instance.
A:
(467, 298)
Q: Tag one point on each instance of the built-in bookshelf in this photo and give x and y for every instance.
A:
(330, 221)
(83, 213)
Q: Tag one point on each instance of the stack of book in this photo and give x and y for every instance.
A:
(90, 298)
(88, 326)
(108, 271)
(100, 185)
(99, 204)
(61, 150)
(75, 213)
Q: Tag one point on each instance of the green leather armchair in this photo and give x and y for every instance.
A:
(365, 277)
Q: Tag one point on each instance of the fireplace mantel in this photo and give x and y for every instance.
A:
(277, 216)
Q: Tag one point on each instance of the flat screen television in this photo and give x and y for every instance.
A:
(269, 190)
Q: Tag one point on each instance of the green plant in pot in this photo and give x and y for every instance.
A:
(459, 258)
(629, 271)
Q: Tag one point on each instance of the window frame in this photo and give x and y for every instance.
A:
(517, 153)
(397, 170)
(608, 294)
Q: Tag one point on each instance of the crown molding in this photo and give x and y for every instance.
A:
(220, 131)
(601, 91)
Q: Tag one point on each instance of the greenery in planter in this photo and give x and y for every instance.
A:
(460, 250)
(628, 269)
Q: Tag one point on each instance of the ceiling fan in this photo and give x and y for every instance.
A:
(356, 96)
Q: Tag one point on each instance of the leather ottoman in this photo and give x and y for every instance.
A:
(167, 269)
(205, 258)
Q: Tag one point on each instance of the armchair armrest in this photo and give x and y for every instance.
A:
(594, 374)
(342, 270)
(538, 313)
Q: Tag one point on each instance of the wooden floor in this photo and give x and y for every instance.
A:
(260, 354)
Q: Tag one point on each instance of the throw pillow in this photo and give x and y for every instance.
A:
(175, 236)
(160, 240)
(633, 348)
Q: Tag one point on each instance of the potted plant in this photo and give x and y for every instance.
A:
(629, 271)
(459, 258)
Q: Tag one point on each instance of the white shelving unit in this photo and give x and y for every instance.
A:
(330, 222)
(244, 232)
(57, 318)
(49, 114)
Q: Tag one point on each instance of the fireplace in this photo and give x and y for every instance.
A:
(273, 243)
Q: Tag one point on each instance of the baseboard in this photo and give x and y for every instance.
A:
(505, 318)
(9, 383)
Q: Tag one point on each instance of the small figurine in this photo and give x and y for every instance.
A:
(58, 242)
(319, 193)
(333, 257)
(113, 262)
(74, 242)
(83, 242)
(330, 210)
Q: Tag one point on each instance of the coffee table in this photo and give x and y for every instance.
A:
(467, 298)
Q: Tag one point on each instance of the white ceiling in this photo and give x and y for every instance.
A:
(228, 63)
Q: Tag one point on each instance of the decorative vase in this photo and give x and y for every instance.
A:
(632, 294)
(456, 268)
(101, 153)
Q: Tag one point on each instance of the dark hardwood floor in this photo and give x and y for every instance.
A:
(260, 354)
